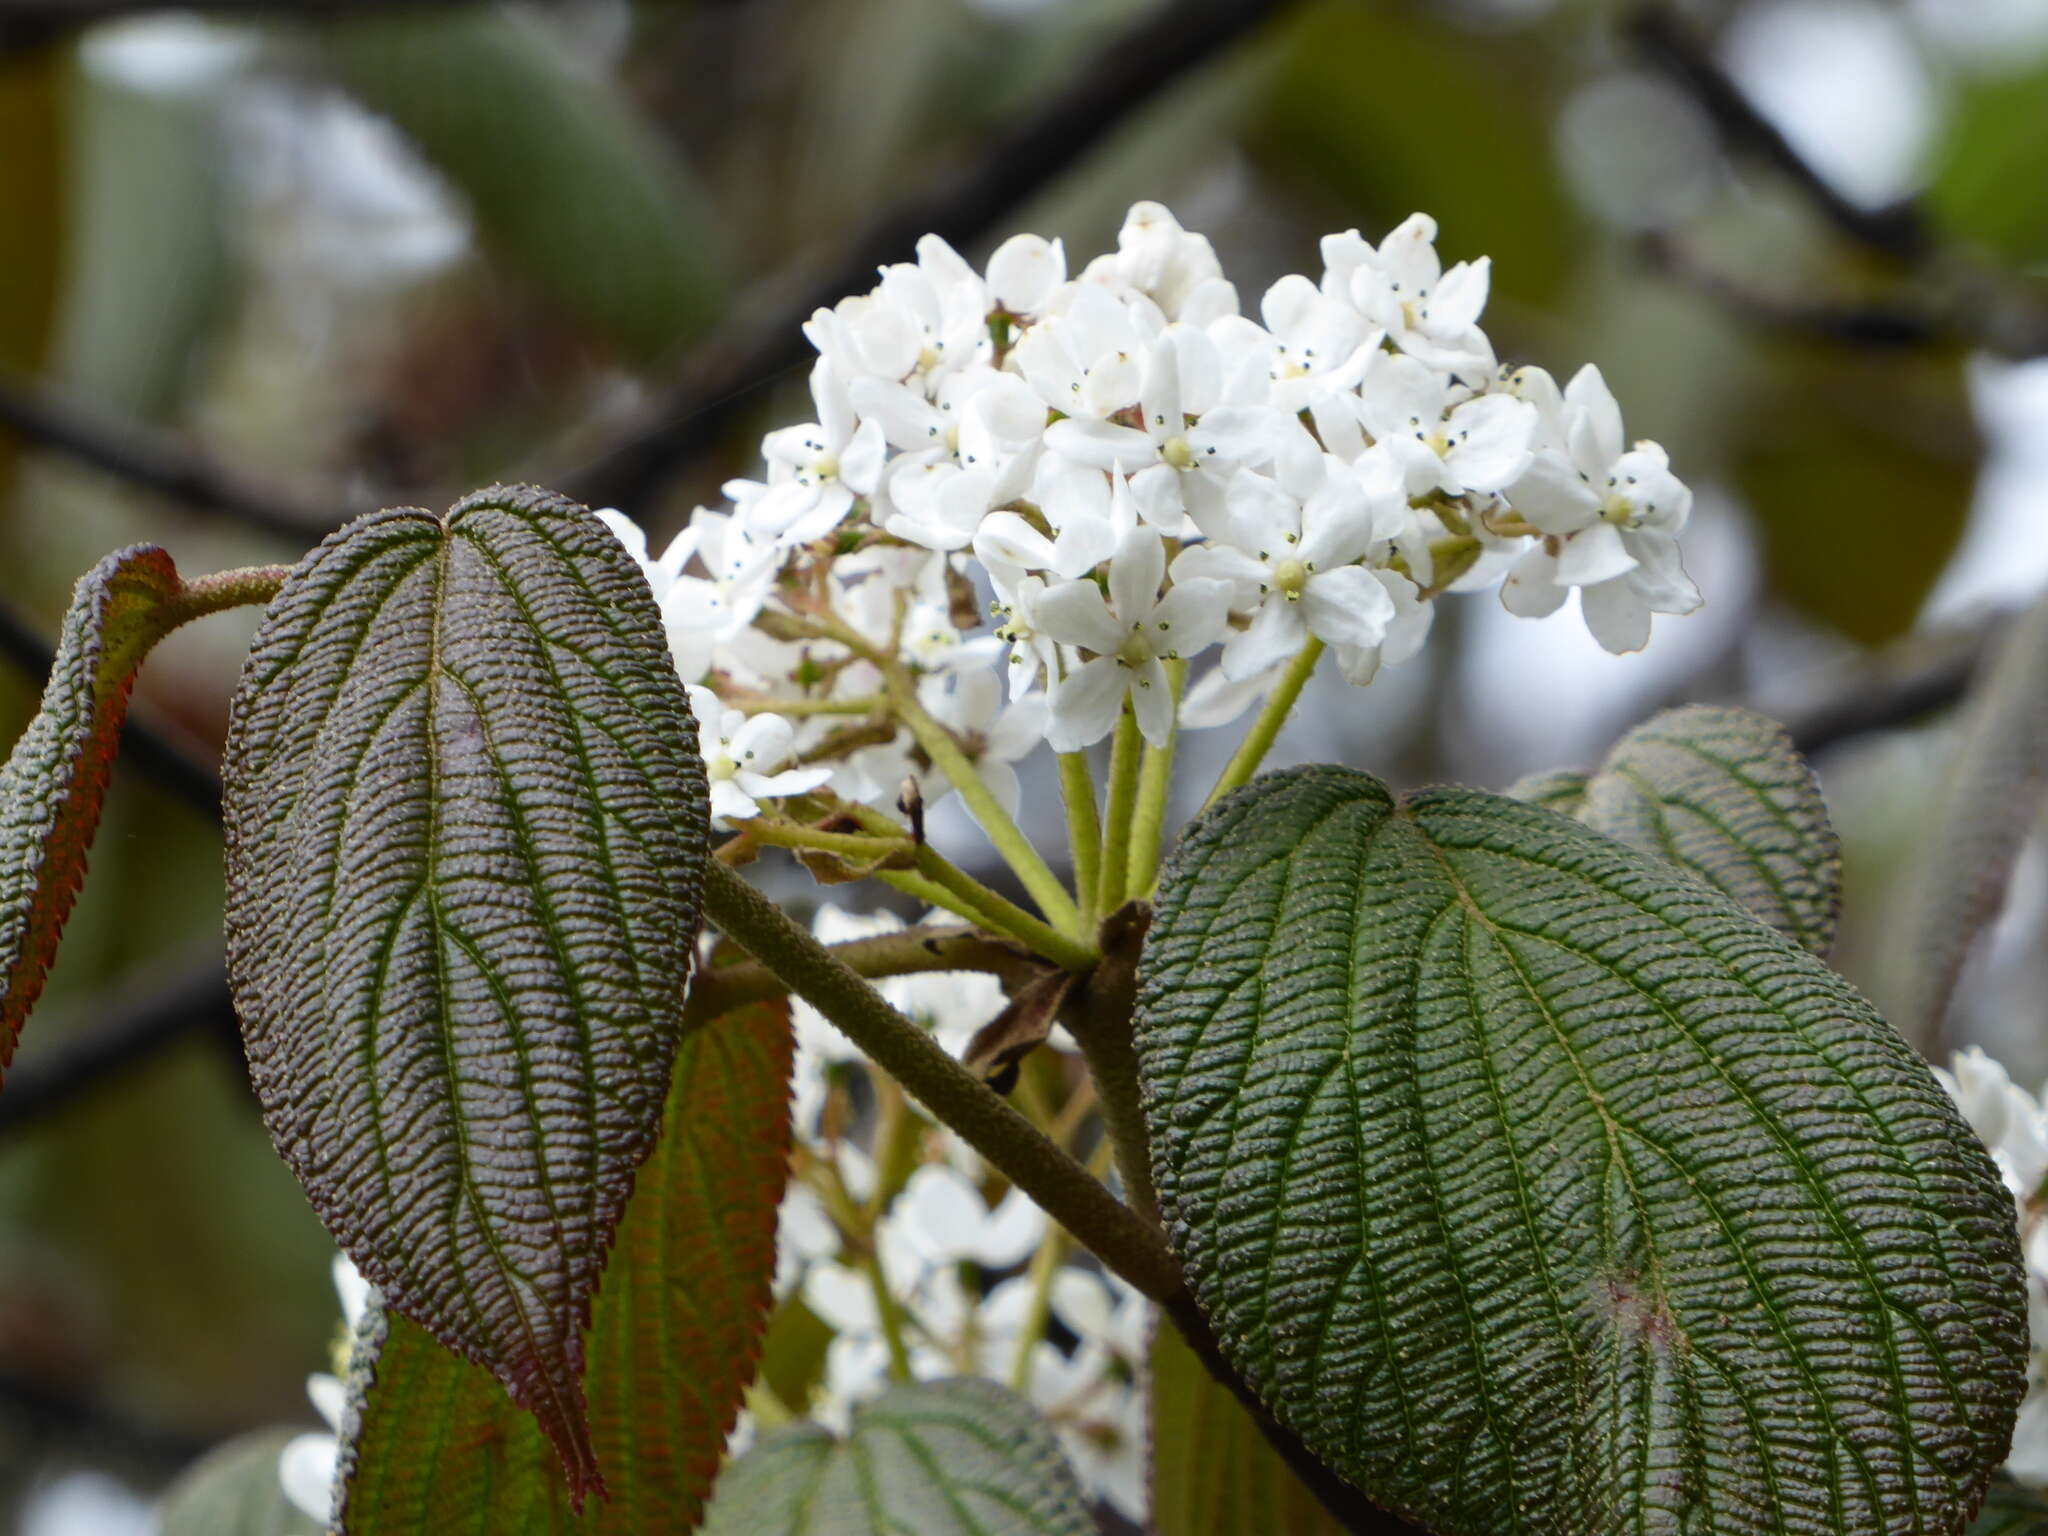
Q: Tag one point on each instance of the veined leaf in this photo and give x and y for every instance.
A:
(1539, 1188)
(2011, 1510)
(1212, 1472)
(235, 1491)
(52, 786)
(1562, 790)
(1993, 795)
(937, 1458)
(1724, 795)
(673, 1339)
(466, 820)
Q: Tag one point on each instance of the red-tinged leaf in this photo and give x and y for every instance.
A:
(466, 820)
(51, 788)
(675, 1336)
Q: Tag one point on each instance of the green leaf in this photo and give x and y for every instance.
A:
(235, 1491)
(1562, 790)
(1539, 1188)
(53, 784)
(1213, 1473)
(2011, 1510)
(1724, 795)
(936, 1458)
(1992, 796)
(563, 177)
(1860, 471)
(1996, 141)
(466, 821)
(673, 1341)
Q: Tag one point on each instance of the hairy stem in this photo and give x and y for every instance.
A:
(1124, 758)
(1099, 1017)
(1279, 705)
(239, 588)
(907, 952)
(1084, 828)
(1067, 1192)
(1155, 788)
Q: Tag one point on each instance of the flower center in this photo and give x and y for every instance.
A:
(1290, 576)
(927, 360)
(826, 466)
(1137, 650)
(1618, 510)
(720, 768)
(1178, 452)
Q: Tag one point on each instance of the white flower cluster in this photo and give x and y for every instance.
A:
(2013, 1124)
(1137, 472)
(934, 1239)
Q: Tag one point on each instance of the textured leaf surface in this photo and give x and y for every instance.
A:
(673, 1339)
(940, 1458)
(1539, 1188)
(1562, 790)
(2011, 1510)
(235, 1491)
(1212, 1472)
(1993, 795)
(466, 821)
(53, 784)
(1724, 795)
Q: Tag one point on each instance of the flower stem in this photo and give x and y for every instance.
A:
(1066, 1192)
(1084, 828)
(1045, 1264)
(1279, 704)
(977, 903)
(1124, 757)
(1003, 832)
(1155, 788)
(891, 1318)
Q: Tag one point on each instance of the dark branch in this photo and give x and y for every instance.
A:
(961, 205)
(1859, 325)
(1668, 41)
(132, 1031)
(158, 462)
(1898, 697)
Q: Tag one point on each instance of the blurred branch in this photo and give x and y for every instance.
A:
(1667, 40)
(1944, 297)
(1898, 696)
(158, 462)
(765, 340)
(28, 24)
(133, 1030)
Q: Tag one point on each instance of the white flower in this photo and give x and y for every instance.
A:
(922, 322)
(1188, 442)
(972, 449)
(701, 613)
(1445, 439)
(306, 1466)
(1610, 516)
(995, 738)
(1025, 272)
(1131, 634)
(1288, 549)
(1033, 653)
(818, 468)
(1174, 268)
(1319, 346)
(1428, 313)
(741, 756)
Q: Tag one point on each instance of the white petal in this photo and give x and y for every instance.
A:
(1347, 606)
(1024, 271)
(1074, 613)
(1550, 494)
(1085, 705)
(1592, 555)
(1190, 618)
(1490, 441)
(1618, 618)
(1005, 538)
(329, 1397)
(1010, 1233)
(1277, 633)
(1100, 444)
(1530, 592)
(1152, 702)
(1135, 572)
(305, 1470)
(730, 803)
(1595, 425)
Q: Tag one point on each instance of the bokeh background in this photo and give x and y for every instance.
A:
(297, 259)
